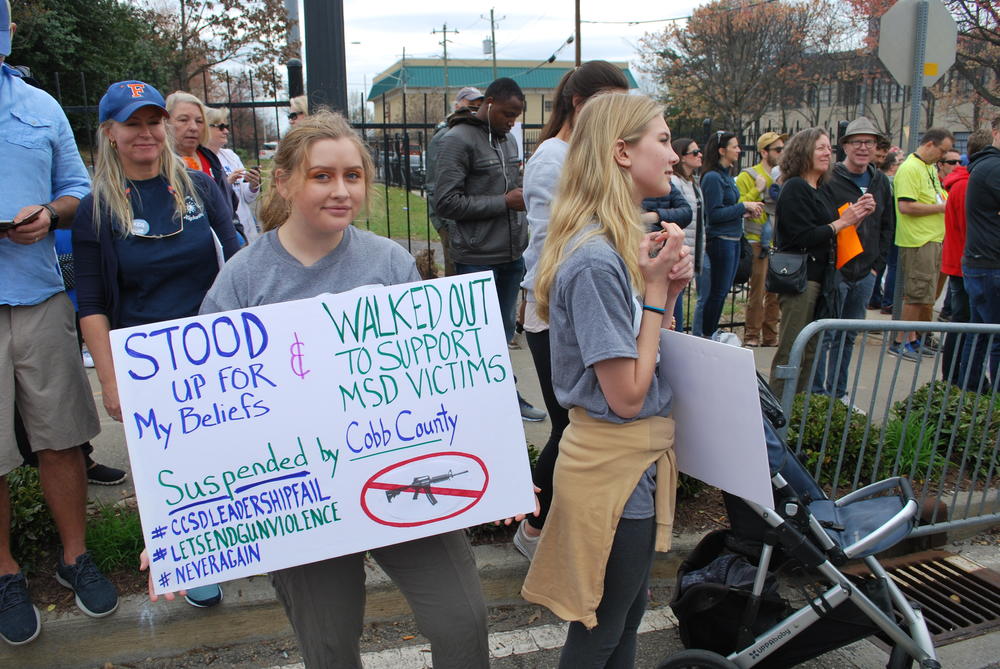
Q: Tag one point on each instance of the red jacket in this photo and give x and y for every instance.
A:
(954, 221)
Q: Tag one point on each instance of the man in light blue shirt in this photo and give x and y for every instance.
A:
(40, 369)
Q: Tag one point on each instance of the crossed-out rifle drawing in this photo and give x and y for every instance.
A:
(422, 484)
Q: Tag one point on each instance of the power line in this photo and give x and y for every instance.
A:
(682, 18)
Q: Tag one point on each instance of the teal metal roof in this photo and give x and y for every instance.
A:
(480, 77)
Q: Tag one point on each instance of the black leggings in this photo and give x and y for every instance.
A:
(538, 343)
(611, 645)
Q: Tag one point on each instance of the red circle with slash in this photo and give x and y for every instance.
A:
(397, 495)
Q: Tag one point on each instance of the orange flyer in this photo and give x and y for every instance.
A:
(848, 243)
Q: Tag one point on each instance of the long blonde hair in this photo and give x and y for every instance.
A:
(293, 151)
(595, 190)
(110, 185)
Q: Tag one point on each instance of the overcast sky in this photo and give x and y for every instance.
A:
(526, 30)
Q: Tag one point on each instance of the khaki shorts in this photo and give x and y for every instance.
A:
(921, 266)
(42, 372)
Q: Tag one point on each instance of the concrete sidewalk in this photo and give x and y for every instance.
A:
(141, 631)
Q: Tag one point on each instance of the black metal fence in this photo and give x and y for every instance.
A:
(399, 149)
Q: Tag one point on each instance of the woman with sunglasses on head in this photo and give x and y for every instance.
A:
(684, 181)
(147, 238)
(724, 215)
(298, 109)
(188, 121)
(244, 182)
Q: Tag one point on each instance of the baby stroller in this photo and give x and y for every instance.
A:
(727, 602)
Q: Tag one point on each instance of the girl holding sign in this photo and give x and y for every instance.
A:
(148, 241)
(322, 178)
(607, 288)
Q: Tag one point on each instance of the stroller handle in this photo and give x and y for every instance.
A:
(879, 487)
(904, 516)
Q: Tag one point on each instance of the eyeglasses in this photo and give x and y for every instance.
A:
(777, 149)
(696, 152)
(220, 126)
(858, 143)
(949, 162)
(294, 115)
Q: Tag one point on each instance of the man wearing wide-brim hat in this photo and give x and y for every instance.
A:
(854, 281)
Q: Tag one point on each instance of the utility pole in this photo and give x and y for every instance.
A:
(444, 43)
(493, 39)
(578, 47)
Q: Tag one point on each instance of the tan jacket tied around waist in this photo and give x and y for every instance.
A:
(598, 467)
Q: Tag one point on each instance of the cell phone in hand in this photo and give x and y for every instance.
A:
(10, 225)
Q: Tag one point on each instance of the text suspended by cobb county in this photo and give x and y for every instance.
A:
(273, 436)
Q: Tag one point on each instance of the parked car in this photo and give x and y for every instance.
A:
(267, 150)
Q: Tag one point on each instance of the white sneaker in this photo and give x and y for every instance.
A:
(852, 407)
(524, 543)
(88, 360)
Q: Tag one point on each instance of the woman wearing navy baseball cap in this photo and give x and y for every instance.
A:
(150, 237)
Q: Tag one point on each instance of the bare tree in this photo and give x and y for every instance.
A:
(978, 55)
(205, 34)
(734, 60)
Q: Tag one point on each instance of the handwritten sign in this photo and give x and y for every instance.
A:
(284, 434)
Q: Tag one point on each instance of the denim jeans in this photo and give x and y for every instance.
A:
(983, 287)
(889, 290)
(833, 361)
(951, 351)
(703, 286)
(508, 277)
(725, 255)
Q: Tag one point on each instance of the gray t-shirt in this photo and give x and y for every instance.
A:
(594, 316)
(265, 273)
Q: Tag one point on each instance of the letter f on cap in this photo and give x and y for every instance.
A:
(138, 90)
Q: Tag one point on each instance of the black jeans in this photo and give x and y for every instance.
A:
(951, 352)
(538, 343)
(612, 643)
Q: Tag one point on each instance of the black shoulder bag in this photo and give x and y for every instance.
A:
(786, 272)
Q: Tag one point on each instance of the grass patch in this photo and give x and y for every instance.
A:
(114, 537)
(376, 218)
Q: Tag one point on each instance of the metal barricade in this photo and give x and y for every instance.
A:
(926, 417)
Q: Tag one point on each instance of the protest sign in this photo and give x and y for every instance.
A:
(719, 434)
(278, 435)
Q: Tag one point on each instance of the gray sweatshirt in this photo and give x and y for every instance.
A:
(265, 273)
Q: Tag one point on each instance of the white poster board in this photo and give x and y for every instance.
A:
(284, 434)
(719, 431)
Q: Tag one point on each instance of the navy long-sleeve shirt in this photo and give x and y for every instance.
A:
(723, 209)
(672, 208)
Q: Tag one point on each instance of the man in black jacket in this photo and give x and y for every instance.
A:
(981, 262)
(478, 186)
(854, 281)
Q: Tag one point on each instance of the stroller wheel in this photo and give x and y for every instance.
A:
(697, 659)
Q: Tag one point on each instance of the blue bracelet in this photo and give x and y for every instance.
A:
(655, 310)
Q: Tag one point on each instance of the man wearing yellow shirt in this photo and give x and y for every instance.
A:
(754, 182)
(919, 232)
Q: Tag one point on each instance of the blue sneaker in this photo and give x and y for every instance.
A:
(20, 622)
(904, 351)
(204, 596)
(95, 595)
